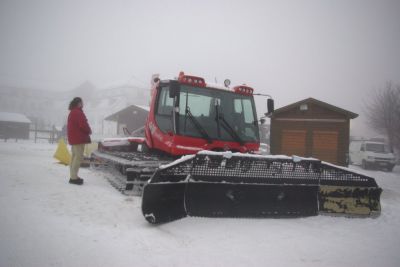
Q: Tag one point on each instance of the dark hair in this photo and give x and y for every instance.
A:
(74, 103)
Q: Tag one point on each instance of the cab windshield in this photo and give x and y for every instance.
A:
(216, 115)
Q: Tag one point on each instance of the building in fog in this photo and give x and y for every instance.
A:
(131, 118)
(14, 126)
(50, 107)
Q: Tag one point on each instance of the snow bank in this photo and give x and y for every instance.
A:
(48, 222)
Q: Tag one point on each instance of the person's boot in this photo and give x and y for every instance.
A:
(78, 181)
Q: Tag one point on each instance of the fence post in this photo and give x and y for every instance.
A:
(35, 131)
(52, 134)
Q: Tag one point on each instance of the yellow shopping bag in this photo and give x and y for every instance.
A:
(62, 153)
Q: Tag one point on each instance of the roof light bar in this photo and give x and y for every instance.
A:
(191, 80)
(243, 89)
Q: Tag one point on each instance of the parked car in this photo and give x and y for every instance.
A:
(372, 154)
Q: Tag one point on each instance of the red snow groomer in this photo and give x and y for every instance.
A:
(221, 174)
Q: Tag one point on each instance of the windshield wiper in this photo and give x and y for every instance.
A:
(217, 117)
(228, 128)
(197, 125)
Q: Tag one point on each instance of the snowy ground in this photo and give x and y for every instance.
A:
(47, 222)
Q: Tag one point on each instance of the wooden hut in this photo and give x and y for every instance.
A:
(312, 128)
(14, 126)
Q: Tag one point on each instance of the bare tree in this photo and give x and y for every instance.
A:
(383, 113)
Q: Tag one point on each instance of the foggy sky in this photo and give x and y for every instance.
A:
(335, 51)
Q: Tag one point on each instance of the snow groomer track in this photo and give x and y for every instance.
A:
(128, 172)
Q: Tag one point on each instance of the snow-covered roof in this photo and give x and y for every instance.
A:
(209, 85)
(14, 117)
(217, 86)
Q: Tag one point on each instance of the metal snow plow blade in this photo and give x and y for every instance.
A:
(224, 184)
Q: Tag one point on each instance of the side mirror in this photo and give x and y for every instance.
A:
(362, 149)
(174, 88)
(155, 80)
(262, 120)
(270, 105)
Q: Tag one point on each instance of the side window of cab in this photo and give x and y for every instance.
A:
(164, 110)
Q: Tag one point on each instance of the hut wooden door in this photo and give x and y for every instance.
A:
(293, 142)
(325, 146)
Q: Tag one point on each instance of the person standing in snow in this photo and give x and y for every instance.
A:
(78, 131)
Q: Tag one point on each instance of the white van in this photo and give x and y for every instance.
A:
(371, 154)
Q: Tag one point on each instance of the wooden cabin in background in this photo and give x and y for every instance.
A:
(312, 128)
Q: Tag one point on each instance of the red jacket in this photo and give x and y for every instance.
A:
(78, 128)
